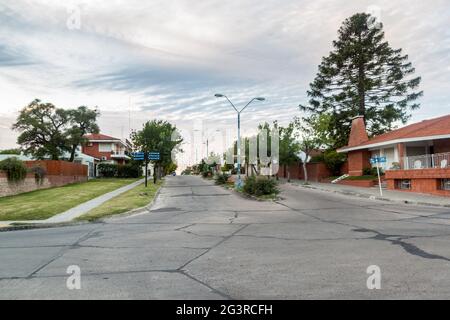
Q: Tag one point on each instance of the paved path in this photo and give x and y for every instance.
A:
(83, 208)
(374, 192)
(199, 241)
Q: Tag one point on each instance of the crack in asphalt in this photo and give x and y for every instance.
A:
(225, 238)
(408, 247)
(91, 233)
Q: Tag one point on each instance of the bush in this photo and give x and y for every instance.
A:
(334, 161)
(39, 174)
(206, 173)
(259, 186)
(129, 170)
(222, 178)
(186, 172)
(15, 169)
(372, 171)
(107, 170)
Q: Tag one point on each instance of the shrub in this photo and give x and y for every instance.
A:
(334, 160)
(39, 174)
(222, 178)
(15, 169)
(206, 173)
(372, 171)
(259, 186)
(107, 170)
(129, 170)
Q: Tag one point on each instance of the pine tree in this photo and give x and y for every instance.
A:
(363, 75)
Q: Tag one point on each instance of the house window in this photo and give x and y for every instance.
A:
(105, 147)
(403, 184)
(444, 184)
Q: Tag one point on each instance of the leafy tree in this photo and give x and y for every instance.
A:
(289, 146)
(309, 142)
(363, 75)
(42, 128)
(334, 160)
(160, 136)
(83, 121)
(170, 167)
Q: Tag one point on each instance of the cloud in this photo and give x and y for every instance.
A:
(167, 59)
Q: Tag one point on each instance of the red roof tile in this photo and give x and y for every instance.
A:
(99, 136)
(426, 128)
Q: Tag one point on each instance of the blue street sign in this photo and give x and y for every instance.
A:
(138, 155)
(154, 156)
(377, 160)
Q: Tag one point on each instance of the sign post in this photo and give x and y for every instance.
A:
(377, 160)
(147, 157)
(154, 156)
(140, 156)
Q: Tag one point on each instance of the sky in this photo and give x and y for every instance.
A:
(158, 59)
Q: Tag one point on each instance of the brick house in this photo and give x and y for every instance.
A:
(107, 149)
(418, 155)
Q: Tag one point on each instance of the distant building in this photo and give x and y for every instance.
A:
(107, 149)
(417, 155)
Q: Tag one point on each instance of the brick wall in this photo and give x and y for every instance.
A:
(58, 173)
(316, 171)
(357, 161)
(93, 151)
(422, 181)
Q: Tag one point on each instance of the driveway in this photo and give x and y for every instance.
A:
(200, 241)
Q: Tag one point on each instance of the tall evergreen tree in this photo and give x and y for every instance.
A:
(363, 75)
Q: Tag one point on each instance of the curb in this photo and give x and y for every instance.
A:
(20, 227)
(31, 226)
(134, 211)
(372, 197)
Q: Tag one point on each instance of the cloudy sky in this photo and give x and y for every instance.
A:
(139, 60)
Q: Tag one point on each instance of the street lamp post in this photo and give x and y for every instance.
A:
(219, 95)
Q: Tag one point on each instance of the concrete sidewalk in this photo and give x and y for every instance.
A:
(374, 193)
(79, 210)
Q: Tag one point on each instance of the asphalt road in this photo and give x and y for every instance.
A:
(201, 241)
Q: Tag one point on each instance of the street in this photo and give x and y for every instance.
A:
(201, 241)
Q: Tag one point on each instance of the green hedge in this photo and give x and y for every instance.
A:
(15, 169)
(222, 178)
(129, 170)
(259, 186)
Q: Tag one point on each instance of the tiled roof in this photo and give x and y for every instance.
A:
(99, 136)
(427, 128)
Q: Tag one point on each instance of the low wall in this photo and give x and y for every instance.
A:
(358, 183)
(422, 180)
(316, 171)
(58, 173)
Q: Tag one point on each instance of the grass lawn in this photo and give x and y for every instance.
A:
(135, 198)
(43, 204)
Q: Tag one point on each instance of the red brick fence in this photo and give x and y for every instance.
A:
(56, 173)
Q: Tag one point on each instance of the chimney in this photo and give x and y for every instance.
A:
(358, 133)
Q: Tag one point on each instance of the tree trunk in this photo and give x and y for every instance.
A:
(288, 175)
(72, 153)
(305, 171)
